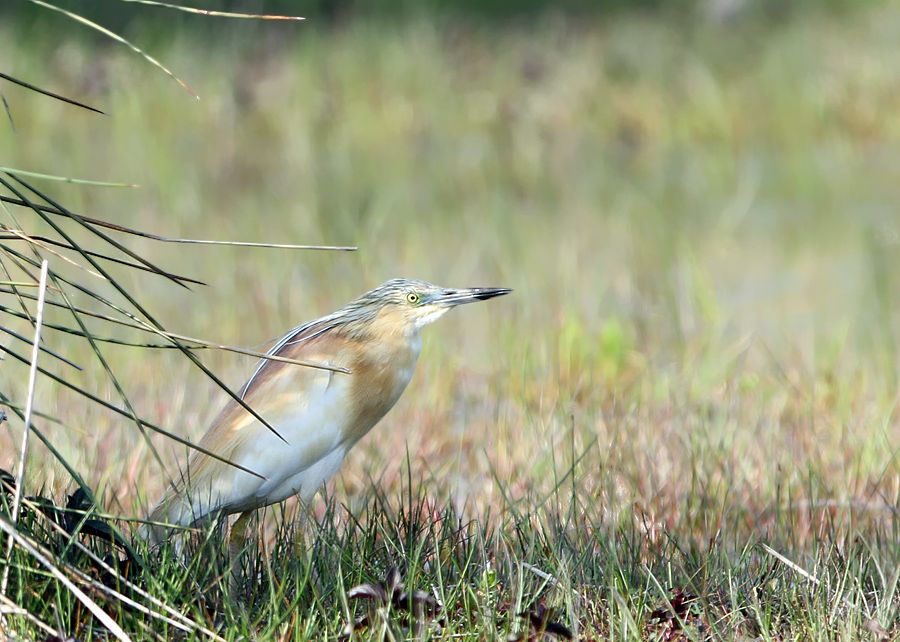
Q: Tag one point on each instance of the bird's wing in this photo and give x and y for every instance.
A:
(303, 333)
(305, 405)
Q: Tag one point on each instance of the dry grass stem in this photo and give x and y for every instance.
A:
(29, 407)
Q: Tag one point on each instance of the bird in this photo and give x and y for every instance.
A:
(314, 415)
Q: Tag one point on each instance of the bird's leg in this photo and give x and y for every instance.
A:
(303, 547)
(300, 538)
(237, 541)
(238, 537)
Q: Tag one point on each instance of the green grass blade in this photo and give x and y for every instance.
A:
(64, 179)
(44, 557)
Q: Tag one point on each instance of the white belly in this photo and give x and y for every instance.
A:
(308, 482)
(312, 425)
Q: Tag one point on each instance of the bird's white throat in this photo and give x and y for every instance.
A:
(429, 316)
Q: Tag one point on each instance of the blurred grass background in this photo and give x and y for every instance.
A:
(698, 217)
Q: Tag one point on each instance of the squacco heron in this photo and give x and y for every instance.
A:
(319, 414)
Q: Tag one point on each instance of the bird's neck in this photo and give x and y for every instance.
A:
(402, 346)
(380, 370)
(386, 326)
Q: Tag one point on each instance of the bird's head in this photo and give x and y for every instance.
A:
(408, 304)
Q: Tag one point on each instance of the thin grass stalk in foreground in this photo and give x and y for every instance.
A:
(7, 403)
(43, 557)
(43, 349)
(112, 34)
(29, 405)
(48, 444)
(200, 343)
(127, 295)
(27, 85)
(118, 38)
(12, 123)
(114, 380)
(69, 239)
(130, 411)
(217, 14)
(124, 413)
(15, 292)
(169, 239)
(65, 179)
(43, 242)
(185, 621)
(15, 609)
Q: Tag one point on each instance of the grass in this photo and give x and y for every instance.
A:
(692, 390)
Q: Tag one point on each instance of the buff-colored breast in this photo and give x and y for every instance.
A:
(380, 374)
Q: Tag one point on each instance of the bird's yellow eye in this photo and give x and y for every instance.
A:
(412, 297)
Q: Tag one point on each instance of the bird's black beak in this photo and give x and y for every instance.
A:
(458, 297)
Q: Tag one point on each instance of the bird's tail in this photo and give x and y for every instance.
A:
(167, 512)
(181, 506)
